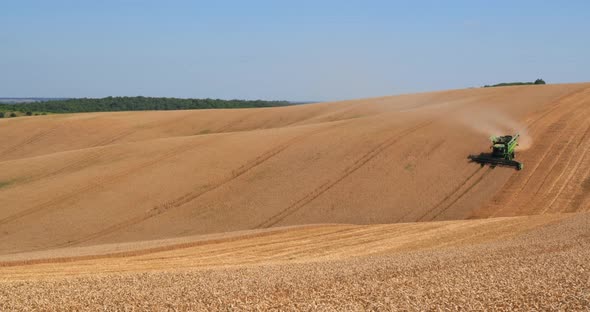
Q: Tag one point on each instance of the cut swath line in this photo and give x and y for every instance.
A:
(151, 250)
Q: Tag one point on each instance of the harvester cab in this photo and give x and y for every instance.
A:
(503, 152)
(504, 146)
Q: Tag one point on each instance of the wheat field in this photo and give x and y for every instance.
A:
(367, 204)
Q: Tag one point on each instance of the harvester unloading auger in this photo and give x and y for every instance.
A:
(502, 152)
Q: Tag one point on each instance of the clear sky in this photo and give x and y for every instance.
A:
(292, 50)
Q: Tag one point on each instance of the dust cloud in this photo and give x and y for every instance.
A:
(491, 122)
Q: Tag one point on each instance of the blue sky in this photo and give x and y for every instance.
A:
(293, 50)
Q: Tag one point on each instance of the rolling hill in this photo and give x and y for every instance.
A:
(270, 194)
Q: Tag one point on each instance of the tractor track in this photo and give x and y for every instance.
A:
(191, 196)
(571, 156)
(564, 127)
(451, 194)
(560, 123)
(72, 166)
(102, 145)
(557, 105)
(101, 183)
(556, 127)
(323, 188)
(78, 183)
(562, 147)
(328, 185)
(572, 171)
(583, 193)
(36, 137)
(559, 164)
(112, 139)
(586, 134)
(465, 192)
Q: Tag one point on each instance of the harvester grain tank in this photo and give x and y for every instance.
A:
(503, 152)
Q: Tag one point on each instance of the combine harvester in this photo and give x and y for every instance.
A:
(502, 152)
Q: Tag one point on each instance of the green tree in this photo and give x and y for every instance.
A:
(12, 114)
(29, 113)
(539, 81)
(1, 114)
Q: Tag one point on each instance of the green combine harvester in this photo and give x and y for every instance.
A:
(502, 152)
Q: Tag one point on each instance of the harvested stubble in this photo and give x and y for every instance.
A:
(545, 268)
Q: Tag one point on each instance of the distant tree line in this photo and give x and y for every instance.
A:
(3, 114)
(138, 103)
(504, 84)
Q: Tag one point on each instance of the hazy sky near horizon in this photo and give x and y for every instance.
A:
(293, 50)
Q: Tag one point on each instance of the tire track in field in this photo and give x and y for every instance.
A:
(566, 132)
(572, 171)
(112, 139)
(458, 188)
(72, 166)
(514, 186)
(560, 122)
(557, 105)
(476, 182)
(36, 137)
(101, 183)
(190, 196)
(586, 133)
(95, 155)
(557, 160)
(571, 155)
(583, 193)
(557, 127)
(323, 188)
(451, 194)
(134, 129)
